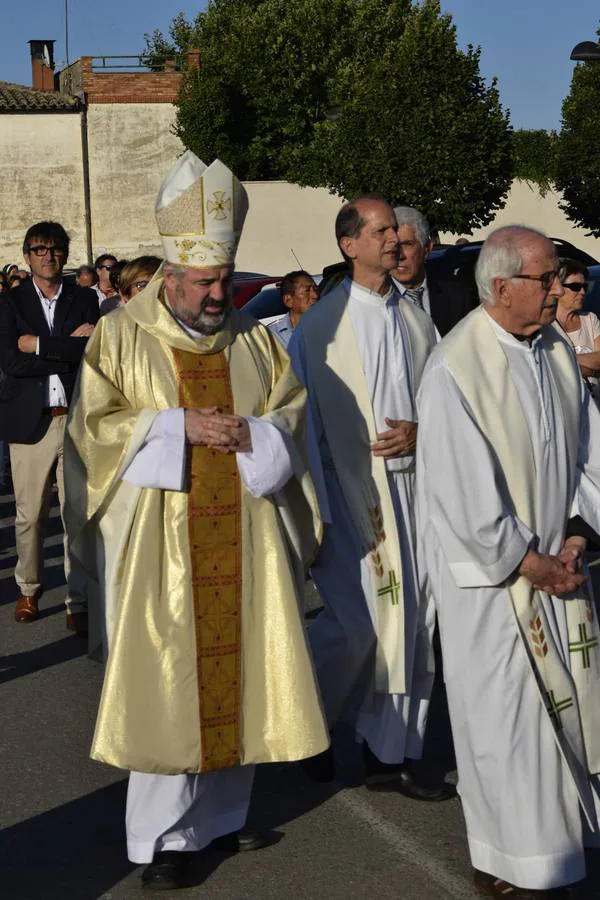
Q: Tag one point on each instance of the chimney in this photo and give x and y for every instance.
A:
(42, 65)
(192, 58)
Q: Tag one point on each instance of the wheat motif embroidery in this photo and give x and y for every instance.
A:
(538, 638)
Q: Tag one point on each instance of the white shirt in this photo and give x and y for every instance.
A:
(101, 295)
(384, 353)
(54, 391)
(282, 329)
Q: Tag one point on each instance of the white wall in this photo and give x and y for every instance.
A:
(283, 217)
(131, 147)
(40, 178)
(525, 206)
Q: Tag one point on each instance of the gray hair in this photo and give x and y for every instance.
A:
(407, 215)
(177, 270)
(502, 257)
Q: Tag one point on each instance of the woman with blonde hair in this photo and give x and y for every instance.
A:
(133, 278)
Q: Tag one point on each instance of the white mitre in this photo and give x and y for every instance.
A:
(200, 212)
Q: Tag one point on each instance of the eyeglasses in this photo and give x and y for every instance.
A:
(140, 285)
(42, 250)
(576, 286)
(104, 266)
(546, 279)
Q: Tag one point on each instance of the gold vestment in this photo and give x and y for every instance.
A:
(202, 672)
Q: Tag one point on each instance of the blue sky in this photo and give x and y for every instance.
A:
(525, 43)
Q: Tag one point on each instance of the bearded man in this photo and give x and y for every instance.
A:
(190, 504)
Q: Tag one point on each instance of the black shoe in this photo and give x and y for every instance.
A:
(166, 871)
(400, 779)
(243, 841)
(321, 767)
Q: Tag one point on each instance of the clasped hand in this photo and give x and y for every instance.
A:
(556, 575)
(400, 440)
(209, 427)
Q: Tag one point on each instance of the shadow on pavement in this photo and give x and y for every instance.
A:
(73, 852)
(17, 664)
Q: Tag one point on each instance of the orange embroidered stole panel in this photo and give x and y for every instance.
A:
(216, 565)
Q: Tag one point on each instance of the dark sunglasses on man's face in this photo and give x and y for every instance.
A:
(42, 250)
(576, 286)
(104, 266)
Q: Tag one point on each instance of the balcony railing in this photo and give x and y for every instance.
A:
(145, 62)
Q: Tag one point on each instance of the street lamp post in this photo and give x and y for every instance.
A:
(586, 51)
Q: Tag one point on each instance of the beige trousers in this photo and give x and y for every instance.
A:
(31, 466)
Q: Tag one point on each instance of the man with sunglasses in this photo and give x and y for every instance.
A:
(503, 396)
(44, 326)
(104, 266)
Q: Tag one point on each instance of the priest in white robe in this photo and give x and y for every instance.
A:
(191, 509)
(509, 451)
(361, 352)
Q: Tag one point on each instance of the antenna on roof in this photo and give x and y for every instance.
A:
(296, 258)
(67, 31)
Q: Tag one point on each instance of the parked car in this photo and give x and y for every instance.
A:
(247, 284)
(268, 305)
(457, 263)
(592, 300)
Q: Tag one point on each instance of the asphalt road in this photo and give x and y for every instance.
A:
(62, 815)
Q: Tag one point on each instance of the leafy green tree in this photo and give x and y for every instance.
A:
(578, 163)
(535, 157)
(353, 95)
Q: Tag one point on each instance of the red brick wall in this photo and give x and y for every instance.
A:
(128, 87)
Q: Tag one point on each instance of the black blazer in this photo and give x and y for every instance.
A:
(23, 418)
(449, 301)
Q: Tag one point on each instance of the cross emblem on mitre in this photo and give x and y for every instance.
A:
(220, 205)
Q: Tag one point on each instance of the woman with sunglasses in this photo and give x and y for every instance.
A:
(582, 328)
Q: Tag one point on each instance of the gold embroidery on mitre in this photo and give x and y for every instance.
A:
(219, 206)
(185, 246)
(214, 526)
(199, 252)
(185, 214)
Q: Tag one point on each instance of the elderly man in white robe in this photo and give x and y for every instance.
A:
(361, 354)
(521, 455)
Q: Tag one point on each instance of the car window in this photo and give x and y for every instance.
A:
(266, 303)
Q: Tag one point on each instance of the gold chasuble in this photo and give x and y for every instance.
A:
(199, 591)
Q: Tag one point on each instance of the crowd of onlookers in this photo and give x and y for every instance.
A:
(114, 280)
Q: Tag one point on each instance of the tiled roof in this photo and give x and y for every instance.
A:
(19, 98)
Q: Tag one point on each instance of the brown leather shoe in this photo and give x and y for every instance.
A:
(495, 887)
(78, 622)
(26, 609)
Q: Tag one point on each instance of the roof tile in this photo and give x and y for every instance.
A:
(19, 98)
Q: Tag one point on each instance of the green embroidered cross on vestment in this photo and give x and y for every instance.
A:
(392, 588)
(555, 707)
(584, 645)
